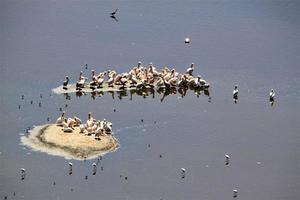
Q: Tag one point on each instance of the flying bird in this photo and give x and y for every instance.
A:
(113, 13)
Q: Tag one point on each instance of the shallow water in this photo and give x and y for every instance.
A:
(254, 44)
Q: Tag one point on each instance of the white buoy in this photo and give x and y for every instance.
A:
(70, 168)
(187, 40)
(235, 192)
(23, 173)
(94, 168)
(182, 172)
(227, 159)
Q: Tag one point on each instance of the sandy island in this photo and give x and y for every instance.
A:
(51, 139)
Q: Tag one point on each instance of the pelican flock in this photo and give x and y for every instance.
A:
(91, 127)
(141, 77)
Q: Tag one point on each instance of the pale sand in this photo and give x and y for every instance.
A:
(71, 88)
(51, 139)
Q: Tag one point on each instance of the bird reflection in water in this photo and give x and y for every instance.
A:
(161, 93)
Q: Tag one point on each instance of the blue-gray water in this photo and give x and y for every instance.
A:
(254, 44)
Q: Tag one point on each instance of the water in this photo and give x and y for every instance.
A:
(254, 44)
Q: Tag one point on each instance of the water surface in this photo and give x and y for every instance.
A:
(254, 44)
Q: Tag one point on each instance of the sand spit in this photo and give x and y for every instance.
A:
(50, 138)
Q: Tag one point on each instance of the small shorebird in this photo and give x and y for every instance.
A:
(182, 172)
(235, 92)
(272, 95)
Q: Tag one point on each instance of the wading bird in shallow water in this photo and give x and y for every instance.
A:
(235, 93)
(182, 172)
(272, 95)
(23, 173)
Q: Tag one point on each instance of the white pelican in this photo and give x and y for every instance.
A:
(235, 92)
(66, 127)
(81, 81)
(66, 82)
(95, 126)
(98, 132)
(141, 85)
(82, 128)
(190, 69)
(77, 120)
(101, 79)
(94, 79)
(90, 118)
(110, 81)
(272, 95)
(61, 119)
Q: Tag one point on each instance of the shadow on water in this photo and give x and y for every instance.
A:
(153, 93)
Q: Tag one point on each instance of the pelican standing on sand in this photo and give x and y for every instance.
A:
(190, 69)
(61, 119)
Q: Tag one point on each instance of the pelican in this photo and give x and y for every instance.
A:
(82, 128)
(94, 79)
(77, 120)
(100, 79)
(123, 81)
(272, 95)
(190, 69)
(95, 126)
(235, 92)
(133, 81)
(66, 82)
(98, 132)
(66, 127)
(81, 81)
(110, 81)
(61, 119)
(94, 168)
